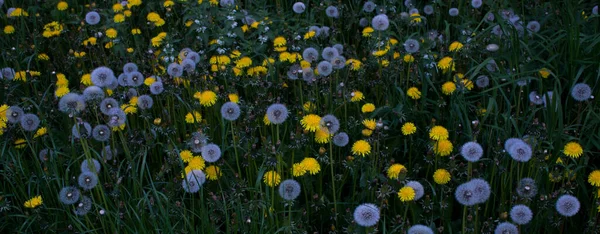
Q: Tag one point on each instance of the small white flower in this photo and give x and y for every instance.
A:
(230, 17)
(220, 50)
(267, 29)
(197, 21)
(234, 24)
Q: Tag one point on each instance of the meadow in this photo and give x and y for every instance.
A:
(275, 116)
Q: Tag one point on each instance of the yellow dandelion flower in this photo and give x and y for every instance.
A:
(311, 122)
(213, 172)
(40, 132)
(367, 108)
(441, 176)
(414, 93)
(20, 143)
(186, 156)
(136, 31)
(52, 29)
(415, 18)
(61, 91)
(18, 12)
(272, 178)
(86, 79)
(370, 123)
(322, 137)
(455, 46)
(366, 32)
(266, 120)
(279, 41)
(196, 163)
(311, 165)
(168, 3)
(406, 194)
(118, 128)
(3, 109)
(448, 87)
(445, 64)
(443, 147)
(207, 98)
(408, 58)
(356, 96)
(361, 148)
(309, 106)
(573, 150)
(9, 29)
(468, 84)
(438, 133)
(243, 62)
(594, 178)
(194, 117)
(544, 72)
(117, 7)
(298, 169)
(409, 128)
(119, 18)
(34, 202)
(367, 132)
(394, 171)
(111, 33)
(309, 35)
(233, 97)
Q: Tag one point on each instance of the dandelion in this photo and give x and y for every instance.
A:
(544, 72)
(521, 214)
(211, 153)
(197, 140)
(271, 178)
(595, 10)
(471, 151)
(341, 139)
(135, 79)
(369, 7)
(213, 172)
(34, 202)
(411, 46)
(366, 215)
(107, 104)
(420, 229)
(289, 189)
(406, 194)
(84, 206)
(157, 88)
(9, 29)
(329, 124)
(482, 190)
(87, 180)
(277, 113)
(443, 147)
(520, 151)
(418, 187)
(441, 176)
(93, 93)
(448, 88)
(207, 98)
(594, 178)
(453, 12)
(380, 22)
(506, 228)
(130, 67)
(230, 111)
(329, 53)
(581, 92)
(102, 76)
(94, 167)
(414, 93)
(101, 133)
(455, 46)
(145, 102)
(30, 122)
(310, 165)
(108, 152)
(438, 133)
(465, 194)
(193, 181)
(567, 205)
(311, 122)
(7, 73)
(14, 114)
(298, 7)
(325, 68)
(367, 108)
(370, 123)
(69, 195)
(356, 96)
(393, 172)
(573, 150)
(428, 9)
(445, 64)
(332, 12)
(361, 148)
(476, 3)
(92, 18)
(526, 188)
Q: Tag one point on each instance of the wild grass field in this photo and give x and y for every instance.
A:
(275, 116)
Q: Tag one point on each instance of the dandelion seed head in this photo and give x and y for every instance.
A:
(193, 181)
(277, 113)
(289, 189)
(92, 18)
(369, 6)
(329, 53)
(293, 71)
(581, 92)
(81, 130)
(339, 48)
(188, 65)
(84, 206)
(453, 12)
(520, 151)
(7, 73)
(230, 111)
(506, 228)
(533, 26)
(420, 229)
(476, 3)
(145, 102)
(129, 68)
(29, 122)
(310, 54)
(366, 215)
(101, 133)
(380, 22)
(93, 93)
(69, 195)
(86, 166)
(465, 194)
(428, 9)
(116, 117)
(363, 22)
(471, 151)
(107, 104)
(482, 81)
(135, 79)
(482, 190)
(521, 214)
(211, 152)
(325, 68)
(535, 98)
(338, 62)
(418, 187)
(330, 124)
(102, 76)
(332, 12)
(567, 205)
(175, 70)
(341, 139)
(308, 74)
(108, 153)
(299, 7)
(197, 141)
(157, 88)
(87, 180)
(526, 188)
